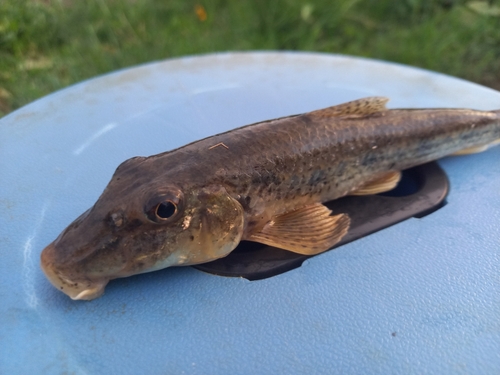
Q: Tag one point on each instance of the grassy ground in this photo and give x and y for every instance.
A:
(50, 44)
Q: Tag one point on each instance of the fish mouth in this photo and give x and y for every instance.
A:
(74, 287)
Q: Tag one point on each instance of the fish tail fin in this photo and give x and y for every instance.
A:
(476, 149)
(481, 148)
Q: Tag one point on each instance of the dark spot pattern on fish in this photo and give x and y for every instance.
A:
(317, 176)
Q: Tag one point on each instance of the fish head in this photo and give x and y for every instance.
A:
(139, 225)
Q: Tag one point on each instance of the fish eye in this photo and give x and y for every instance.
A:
(164, 207)
(165, 210)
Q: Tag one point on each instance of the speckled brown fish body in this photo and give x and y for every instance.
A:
(262, 182)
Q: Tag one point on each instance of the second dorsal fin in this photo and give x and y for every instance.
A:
(356, 108)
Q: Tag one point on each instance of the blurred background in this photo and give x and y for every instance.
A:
(46, 45)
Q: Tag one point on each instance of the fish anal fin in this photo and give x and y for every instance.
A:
(379, 185)
(476, 149)
(356, 108)
(309, 230)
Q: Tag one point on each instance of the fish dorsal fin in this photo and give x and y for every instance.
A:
(379, 185)
(309, 230)
(357, 108)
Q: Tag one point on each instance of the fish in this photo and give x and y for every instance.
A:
(265, 182)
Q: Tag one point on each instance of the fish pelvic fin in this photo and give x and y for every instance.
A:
(476, 149)
(357, 108)
(308, 230)
(379, 185)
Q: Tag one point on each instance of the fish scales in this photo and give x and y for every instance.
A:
(279, 160)
(264, 182)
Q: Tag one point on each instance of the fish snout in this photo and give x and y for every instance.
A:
(67, 281)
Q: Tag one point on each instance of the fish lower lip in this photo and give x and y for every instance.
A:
(89, 294)
(85, 290)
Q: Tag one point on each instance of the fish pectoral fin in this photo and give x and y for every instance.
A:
(476, 149)
(381, 184)
(356, 108)
(309, 230)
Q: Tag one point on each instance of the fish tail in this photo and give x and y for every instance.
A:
(477, 149)
(497, 142)
(484, 147)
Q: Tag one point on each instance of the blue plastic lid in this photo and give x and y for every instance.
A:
(422, 296)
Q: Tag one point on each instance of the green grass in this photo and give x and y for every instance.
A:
(47, 45)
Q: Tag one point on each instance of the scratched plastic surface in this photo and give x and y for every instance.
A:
(419, 297)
